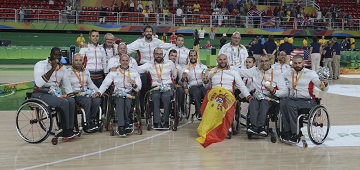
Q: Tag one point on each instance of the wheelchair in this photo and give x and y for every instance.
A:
(317, 120)
(99, 121)
(239, 119)
(188, 101)
(173, 116)
(134, 115)
(36, 120)
(270, 116)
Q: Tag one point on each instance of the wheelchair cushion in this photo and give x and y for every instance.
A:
(304, 111)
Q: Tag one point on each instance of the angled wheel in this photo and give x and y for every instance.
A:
(318, 125)
(34, 121)
(187, 106)
(176, 114)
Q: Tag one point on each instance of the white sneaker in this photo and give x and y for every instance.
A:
(263, 133)
(251, 131)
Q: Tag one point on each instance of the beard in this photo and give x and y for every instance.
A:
(159, 59)
(193, 61)
(298, 68)
(148, 36)
(222, 65)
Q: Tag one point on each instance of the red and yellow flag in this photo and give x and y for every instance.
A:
(217, 109)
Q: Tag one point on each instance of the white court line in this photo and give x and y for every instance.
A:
(101, 151)
(13, 92)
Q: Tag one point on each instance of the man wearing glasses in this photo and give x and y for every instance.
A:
(281, 66)
(110, 48)
(268, 84)
(236, 52)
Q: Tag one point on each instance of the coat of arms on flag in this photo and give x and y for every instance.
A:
(218, 110)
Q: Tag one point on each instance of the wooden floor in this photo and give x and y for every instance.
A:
(179, 150)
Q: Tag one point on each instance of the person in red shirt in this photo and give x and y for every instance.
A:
(208, 45)
(173, 38)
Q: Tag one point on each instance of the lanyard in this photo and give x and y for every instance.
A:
(106, 50)
(161, 70)
(81, 80)
(95, 59)
(234, 54)
(123, 73)
(271, 76)
(294, 84)
(178, 58)
(191, 66)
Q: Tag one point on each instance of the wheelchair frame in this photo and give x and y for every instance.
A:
(271, 113)
(135, 112)
(40, 111)
(307, 116)
(173, 115)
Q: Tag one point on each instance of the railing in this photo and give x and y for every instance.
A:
(302, 3)
(134, 18)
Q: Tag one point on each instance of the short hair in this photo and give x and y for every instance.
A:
(271, 38)
(298, 56)
(282, 53)
(55, 49)
(92, 31)
(253, 58)
(108, 34)
(148, 26)
(315, 39)
(157, 48)
(179, 35)
(76, 54)
(172, 51)
(124, 55)
(191, 51)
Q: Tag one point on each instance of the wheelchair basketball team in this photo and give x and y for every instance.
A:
(163, 74)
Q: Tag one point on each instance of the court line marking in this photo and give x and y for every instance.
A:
(101, 151)
(13, 92)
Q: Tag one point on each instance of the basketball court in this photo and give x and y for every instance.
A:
(179, 150)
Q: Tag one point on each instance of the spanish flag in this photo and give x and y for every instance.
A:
(217, 109)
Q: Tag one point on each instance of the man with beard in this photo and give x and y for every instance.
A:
(225, 76)
(302, 81)
(81, 82)
(114, 62)
(182, 51)
(95, 58)
(280, 65)
(163, 74)
(178, 85)
(191, 75)
(267, 83)
(146, 46)
(126, 80)
(48, 75)
(236, 52)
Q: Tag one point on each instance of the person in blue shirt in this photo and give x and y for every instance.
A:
(270, 49)
(315, 53)
(288, 48)
(336, 58)
(257, 50)
(328, 57)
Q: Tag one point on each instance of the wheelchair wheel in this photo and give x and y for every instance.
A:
(318, 125)
(107, 111)
(34, 121)
(278, 124)
(148, 111)
(176, 113)
(187, 106)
